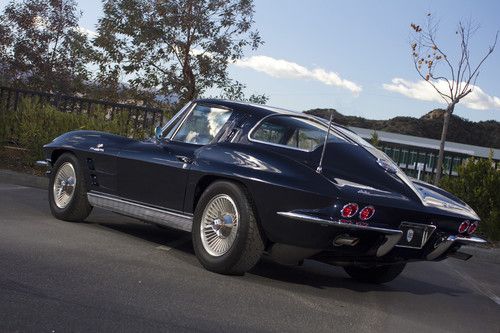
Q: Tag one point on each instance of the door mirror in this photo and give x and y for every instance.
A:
(158, 132)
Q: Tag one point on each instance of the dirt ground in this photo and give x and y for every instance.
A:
(16, 159)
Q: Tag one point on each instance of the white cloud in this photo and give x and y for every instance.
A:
(422, 90)
(85, 31)
(42, 24)
(280, 68)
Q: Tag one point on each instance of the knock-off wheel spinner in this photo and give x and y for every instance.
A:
(219, 225)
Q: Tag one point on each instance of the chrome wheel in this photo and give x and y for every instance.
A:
(64, 185)
(219, 225)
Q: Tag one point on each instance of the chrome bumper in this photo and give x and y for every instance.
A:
(45, 163)
(443, 246)
(392, 236)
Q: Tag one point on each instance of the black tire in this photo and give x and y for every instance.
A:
(248, 245)
(78, 207)
(376, 274)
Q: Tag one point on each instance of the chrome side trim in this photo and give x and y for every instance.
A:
(443, 246)
(142, 212)
(314, 219)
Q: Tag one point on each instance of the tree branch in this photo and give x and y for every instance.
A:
(443, 96)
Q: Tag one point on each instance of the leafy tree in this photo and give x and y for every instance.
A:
(478, 184)
(459, 78)
(181, 47)
(42, 47)
(236, 92)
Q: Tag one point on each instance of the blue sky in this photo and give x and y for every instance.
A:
(366, 45)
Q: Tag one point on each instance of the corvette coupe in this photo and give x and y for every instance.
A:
(248, 180)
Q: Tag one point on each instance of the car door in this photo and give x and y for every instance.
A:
(151, 173)
(156, 173)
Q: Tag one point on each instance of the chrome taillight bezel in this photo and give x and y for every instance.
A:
(463, 227)
(472, 227)
(369, 207)
(353, 213)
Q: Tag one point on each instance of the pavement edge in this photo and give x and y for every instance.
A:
(23, 179)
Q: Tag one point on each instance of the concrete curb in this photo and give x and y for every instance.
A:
(23, 179)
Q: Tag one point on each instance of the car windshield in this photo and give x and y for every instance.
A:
(202, 124)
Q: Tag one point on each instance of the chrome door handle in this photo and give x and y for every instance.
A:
(184, 159)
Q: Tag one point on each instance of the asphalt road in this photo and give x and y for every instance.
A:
(117, 274)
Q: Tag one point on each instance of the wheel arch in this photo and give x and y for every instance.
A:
(56, 153)
(204, 182)
(207, 180)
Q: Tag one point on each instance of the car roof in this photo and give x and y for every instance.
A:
(262, 111)
(265, 110)
(258, 109)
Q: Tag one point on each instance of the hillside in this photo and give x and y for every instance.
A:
(483, 133)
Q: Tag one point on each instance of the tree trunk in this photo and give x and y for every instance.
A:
(446, 122)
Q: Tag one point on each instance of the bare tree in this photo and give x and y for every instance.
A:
(453, 80)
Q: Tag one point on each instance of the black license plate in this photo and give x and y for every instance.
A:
(415, 235)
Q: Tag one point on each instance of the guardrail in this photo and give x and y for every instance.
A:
(138, 117)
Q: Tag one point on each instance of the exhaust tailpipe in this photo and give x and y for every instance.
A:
(345, 240)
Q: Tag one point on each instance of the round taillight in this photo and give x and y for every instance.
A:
(472, 228)
(366, 213)
(463, 227)
(349, 210)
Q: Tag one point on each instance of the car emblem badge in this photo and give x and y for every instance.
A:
(409, 235)
(99, 147)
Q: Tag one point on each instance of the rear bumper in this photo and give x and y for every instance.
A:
(391, 236)
(376, 242)
(446, 243)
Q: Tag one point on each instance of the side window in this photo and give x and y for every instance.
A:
(269, 132)
(307, 139)
(202, 124)
(294, 132)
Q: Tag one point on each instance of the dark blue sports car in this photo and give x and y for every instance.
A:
(250, 179)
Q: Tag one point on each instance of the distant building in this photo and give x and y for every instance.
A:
(413, 153)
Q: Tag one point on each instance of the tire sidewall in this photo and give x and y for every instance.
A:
(80, 185)
(230, 258)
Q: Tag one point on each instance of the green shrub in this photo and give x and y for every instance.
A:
(35, 124)
(478, 184)
(374, 140)
(8, 125)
